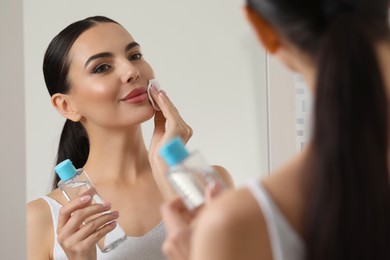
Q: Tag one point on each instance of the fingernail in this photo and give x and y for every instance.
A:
(212, 185)
(85, 198)
(106, 204)
(156, 88)
(115, 213)
(163, 92)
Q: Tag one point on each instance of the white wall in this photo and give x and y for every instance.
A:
(205, 56)
(281, 113)
(12, 132)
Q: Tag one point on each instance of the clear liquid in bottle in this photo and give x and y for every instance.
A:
(76, 183)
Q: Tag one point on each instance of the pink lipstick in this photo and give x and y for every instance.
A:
(137, 95)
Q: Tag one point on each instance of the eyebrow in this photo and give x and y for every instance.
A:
(109, 54)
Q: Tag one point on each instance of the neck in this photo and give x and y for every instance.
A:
(309, 75)
(383, 54)
(299, 62)
(117, 155)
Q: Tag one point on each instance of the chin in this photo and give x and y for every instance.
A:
(149, 114)
(140, 116)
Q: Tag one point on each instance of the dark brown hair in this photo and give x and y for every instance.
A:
(74, 142)
(348, 211)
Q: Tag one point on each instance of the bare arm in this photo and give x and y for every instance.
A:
(180, 222)
(40, 232)
(224, 175)
(231, 227)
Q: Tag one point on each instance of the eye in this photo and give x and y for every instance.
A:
(101, 68)
(135, 56)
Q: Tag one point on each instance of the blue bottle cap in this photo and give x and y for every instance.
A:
(174, 151)
(65, 170)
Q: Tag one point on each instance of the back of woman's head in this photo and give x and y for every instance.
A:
(74, 143)
(305, 22)
(348, 209)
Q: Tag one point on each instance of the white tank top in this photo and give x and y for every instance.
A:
(286, 244)
(146, 247)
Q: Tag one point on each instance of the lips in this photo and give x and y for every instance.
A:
(137, 95)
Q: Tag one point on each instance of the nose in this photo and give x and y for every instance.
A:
(130, 72)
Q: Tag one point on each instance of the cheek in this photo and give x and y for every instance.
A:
(89, 88)
(95, 94)
(146, 71)
(103, 92)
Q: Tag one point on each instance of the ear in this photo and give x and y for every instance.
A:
(264, 31)
(64, 105)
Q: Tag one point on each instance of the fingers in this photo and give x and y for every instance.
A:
(80, 216)
(175, 213)
(67, 210)
(82, 224)
(213, 190)
(177, 221)
(95, 229)
(159, 123)
(86, 249)
(177, 248)
(75, 246)
(94, 238)
(169, 113)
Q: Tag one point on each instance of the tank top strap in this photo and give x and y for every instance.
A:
(55, 206)
(259, 193)
(285, 241)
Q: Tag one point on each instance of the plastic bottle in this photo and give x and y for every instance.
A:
(75, 183)
(189, 173)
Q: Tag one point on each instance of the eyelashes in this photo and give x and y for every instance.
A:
(101, 68)
(104, 67)
(136, 56)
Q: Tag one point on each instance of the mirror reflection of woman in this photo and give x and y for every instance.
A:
(97, 78)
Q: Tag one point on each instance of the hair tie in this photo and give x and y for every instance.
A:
(334, 8)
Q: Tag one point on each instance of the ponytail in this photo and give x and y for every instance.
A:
(74, 145)
(348, 216)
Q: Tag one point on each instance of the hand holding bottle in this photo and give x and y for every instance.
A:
(179, 222)
(77, 236)
(189, 173)
(88, 219)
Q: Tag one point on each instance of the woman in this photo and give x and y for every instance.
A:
(97, 78)
(332, 201)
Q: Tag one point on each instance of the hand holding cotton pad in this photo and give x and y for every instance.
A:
(153, 82)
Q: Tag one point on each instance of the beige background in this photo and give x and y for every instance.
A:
(12, 132)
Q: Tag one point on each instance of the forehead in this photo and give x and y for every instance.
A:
(102, 37)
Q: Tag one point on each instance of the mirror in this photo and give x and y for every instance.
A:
(205, 56)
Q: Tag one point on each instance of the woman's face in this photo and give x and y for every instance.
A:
(108, 78)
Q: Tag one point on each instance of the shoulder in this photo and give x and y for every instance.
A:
(231, 207)
(231, 227)
(225, 175)
(287, 188)
(40, 229)
(38, 212)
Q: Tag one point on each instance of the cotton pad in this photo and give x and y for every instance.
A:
(153, 82)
